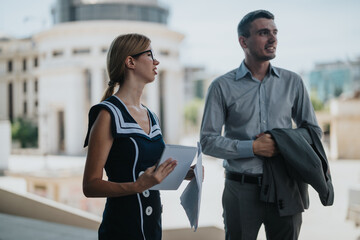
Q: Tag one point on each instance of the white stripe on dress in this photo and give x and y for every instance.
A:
(130, 127)
(138, 195)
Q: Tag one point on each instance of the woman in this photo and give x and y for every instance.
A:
(124, 137)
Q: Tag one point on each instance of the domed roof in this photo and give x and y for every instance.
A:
(147, 2)
(87, 10)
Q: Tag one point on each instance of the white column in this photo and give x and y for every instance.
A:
(43, 129)
(173, 106)
(75, 121)
(96, 85)
(4, 100)
(5, 146)
(152, 96)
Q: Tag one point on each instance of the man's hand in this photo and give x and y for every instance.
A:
(190, 174)
(265, 146)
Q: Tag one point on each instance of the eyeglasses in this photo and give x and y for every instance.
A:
(150, 51)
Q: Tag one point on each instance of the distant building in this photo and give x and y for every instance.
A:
(19, 83)
(345, 128)
(55, 76)
(196, 82)
(85, 10)
(330, 80)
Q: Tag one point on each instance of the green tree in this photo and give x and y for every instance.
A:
(24, 131)
(192, 111)
(317, 104)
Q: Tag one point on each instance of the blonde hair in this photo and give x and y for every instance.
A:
(120, 48)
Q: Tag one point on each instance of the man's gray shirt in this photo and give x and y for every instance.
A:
(246, 107)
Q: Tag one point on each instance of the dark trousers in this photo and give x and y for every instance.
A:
(244, 213)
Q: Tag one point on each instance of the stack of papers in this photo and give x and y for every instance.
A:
(191, 197)
(184, 156)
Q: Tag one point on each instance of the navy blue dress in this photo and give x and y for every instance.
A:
(136, 216)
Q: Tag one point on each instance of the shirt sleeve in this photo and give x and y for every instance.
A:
(211, 139)
(303, 111)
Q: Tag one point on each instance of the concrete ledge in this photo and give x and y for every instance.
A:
(32, 206)
(18, 228)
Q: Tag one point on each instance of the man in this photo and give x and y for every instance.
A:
(247, 102)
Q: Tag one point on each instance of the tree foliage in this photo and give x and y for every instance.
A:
(317, 104)
(24, 131)
(192, 111)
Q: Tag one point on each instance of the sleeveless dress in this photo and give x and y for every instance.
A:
(136, 216)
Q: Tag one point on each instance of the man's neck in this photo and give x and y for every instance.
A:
(257, 69)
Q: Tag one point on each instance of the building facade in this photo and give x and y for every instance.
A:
(85, 10)
(55, 76)
(330, 80)
(19, 63)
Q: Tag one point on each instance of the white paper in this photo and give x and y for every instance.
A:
(191, 197)
(184, 156)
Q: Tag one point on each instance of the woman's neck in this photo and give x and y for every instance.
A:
(130, 93)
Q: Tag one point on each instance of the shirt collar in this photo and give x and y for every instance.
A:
(243, 71)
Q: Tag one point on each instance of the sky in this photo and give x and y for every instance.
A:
(310, 31)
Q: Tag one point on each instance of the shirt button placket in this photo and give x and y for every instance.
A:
(262, 108)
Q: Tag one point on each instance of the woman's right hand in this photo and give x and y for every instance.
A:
(153, 175)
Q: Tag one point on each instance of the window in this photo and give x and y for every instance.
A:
(104, 50)
(40, 189)
(57, 53)
(36, 63)
(24, 64)
(199, 88)
(164, 53)
(36, 85)
(25, 108)
(10, 102)
(61, 130)
(10, 66)
(24, 86)
(81, 51)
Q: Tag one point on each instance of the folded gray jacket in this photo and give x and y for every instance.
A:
(301, 161)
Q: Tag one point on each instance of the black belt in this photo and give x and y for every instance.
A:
(244, 178)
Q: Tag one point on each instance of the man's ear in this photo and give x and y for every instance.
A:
(242, 41)
(129, 62)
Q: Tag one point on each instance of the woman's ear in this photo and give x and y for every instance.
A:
(130, 62)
